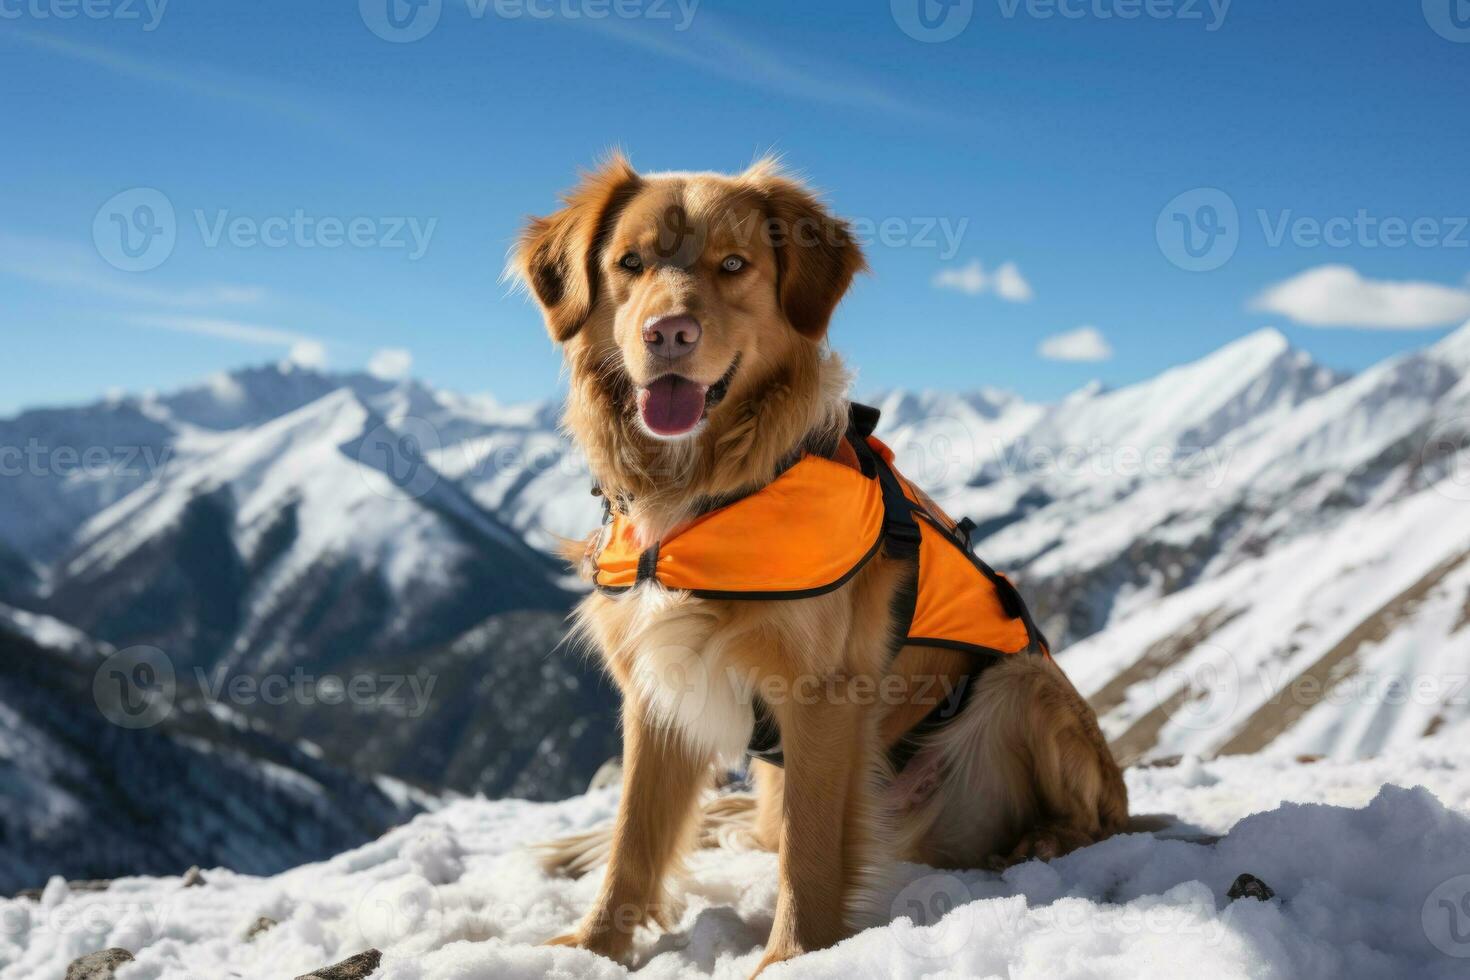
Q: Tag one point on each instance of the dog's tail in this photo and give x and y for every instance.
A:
(728, 821)
(725, 821)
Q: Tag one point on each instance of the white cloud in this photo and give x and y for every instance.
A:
(391, 364)
(1082, 344)
(1009, 285)
(308, 354)
(1337, 296)
(972, 280)
(969, 279)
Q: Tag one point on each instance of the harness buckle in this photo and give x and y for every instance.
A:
(964, 529)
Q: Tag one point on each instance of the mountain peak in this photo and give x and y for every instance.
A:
(1196, 403)
(248, 396)
(1454, 347)
(1253, 354)
(1272, 334)
(1092, 389)
(1266, 342)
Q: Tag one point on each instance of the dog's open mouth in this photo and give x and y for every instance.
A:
(674, 406)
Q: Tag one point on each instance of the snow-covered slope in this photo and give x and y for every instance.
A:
(88, 798)
(61, 466)
(1342, 642)
(318, 506)
(298, 523)
(1370, 880)
(1291, 570)
(1305, 522)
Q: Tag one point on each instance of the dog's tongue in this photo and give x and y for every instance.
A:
(672, 405)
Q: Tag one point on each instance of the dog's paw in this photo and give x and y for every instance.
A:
(1041, 844)
(609, 943)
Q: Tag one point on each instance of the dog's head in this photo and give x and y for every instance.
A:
(682, 295)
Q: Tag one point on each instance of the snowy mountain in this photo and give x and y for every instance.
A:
(314, 536)
(1246, 553)
(87, 798)
(281, 526)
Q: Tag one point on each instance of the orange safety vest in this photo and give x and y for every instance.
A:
(810, 531)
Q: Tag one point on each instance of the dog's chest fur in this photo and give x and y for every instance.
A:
(680, 656)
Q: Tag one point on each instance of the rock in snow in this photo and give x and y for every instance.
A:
(98, 966)
(353, 968)
(1249, 886)
(1371, 880)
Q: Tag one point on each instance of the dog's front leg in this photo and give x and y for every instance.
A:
(662, 778)
(822, 831)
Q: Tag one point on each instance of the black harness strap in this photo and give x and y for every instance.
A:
(765, 740)
(648, 564)
(901, 539)
(900, 529)
(946, 711)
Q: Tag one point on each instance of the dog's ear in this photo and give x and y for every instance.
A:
(816, 255)
(557, 256)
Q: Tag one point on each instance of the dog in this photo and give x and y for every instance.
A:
(692, 310)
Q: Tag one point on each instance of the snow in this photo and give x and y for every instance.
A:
(1367, 876)
(47, 632)
(1328, 543)
(1280, 615)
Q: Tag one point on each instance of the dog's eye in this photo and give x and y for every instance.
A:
(631, 262)
(732, 263)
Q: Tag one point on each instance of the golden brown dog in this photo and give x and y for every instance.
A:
(692, 309)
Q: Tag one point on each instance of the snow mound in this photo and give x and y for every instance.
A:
(1370, 880)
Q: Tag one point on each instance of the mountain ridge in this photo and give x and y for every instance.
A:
(382, 528)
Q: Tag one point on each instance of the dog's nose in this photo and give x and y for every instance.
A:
(671, 336)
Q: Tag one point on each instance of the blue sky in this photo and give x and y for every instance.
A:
(1045, 140)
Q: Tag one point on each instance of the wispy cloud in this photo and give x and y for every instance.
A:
(73, 267)
(300, 348)
(1337, 296)
(1082, 344)
(972, 280)
(256, 93)
(720, 50)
